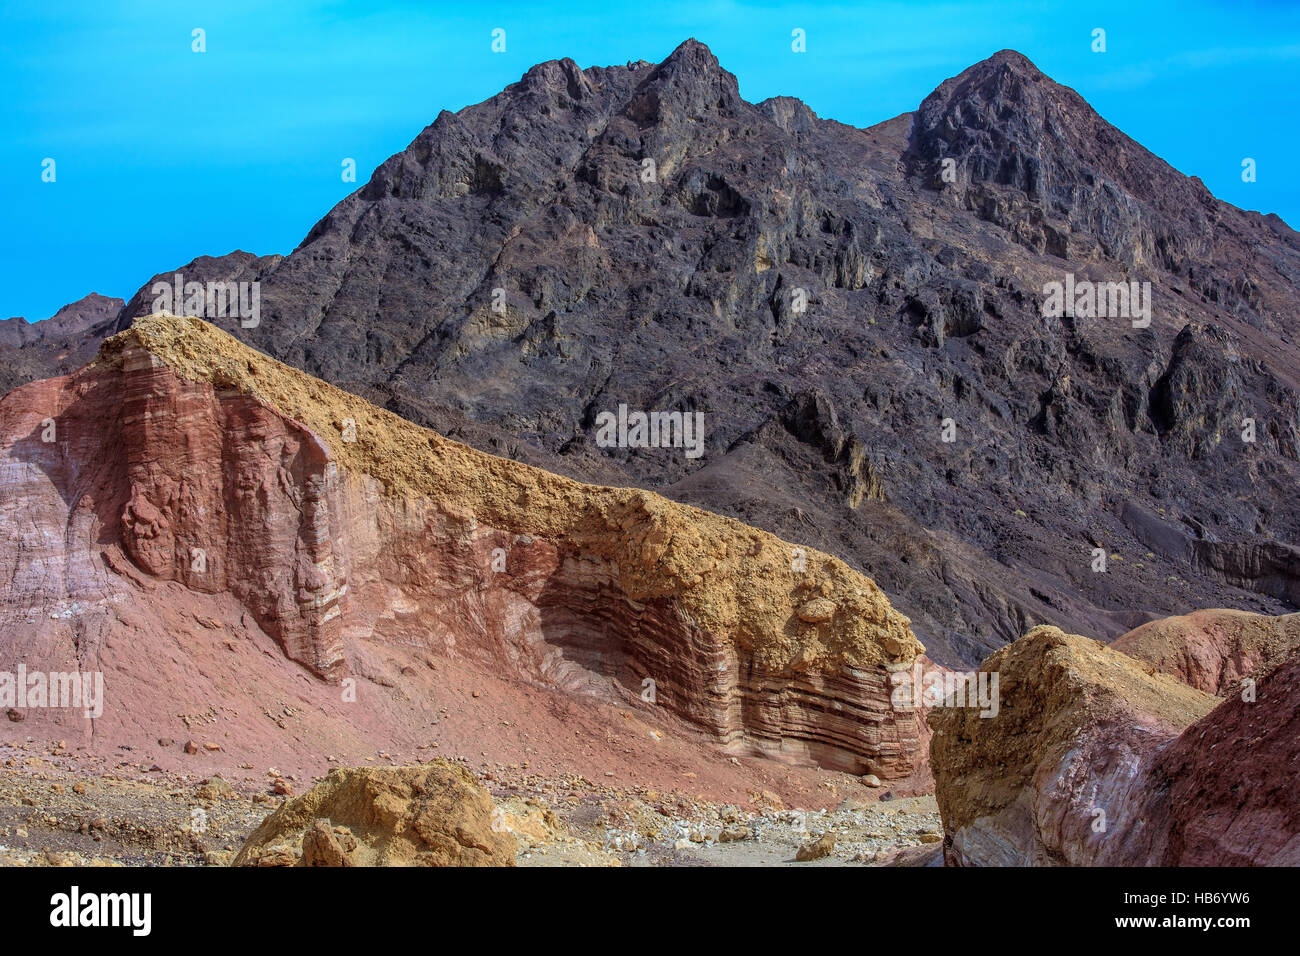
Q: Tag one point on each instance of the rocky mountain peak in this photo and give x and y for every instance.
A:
(1004, 64)
(693, 79)
(1011, 144)
(63, 341)
(691, 57)
(1002, 120)
(557, 75)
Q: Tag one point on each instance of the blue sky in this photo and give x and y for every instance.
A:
(163, 154)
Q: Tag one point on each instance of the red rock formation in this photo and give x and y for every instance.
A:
(1094, 760)
(1214, 650)
(227, 495)
(187, 468)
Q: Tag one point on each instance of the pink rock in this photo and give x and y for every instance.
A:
(197, 547)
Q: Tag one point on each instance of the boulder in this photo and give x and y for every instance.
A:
(1095, 759)
(817, 849)
(432, 815)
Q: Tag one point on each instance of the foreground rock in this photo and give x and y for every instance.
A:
(823, 846)
(1094, 760)
(190, 473)
(435, 815)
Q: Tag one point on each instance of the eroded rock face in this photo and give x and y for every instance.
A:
(843, 291)
(1093, 759)
(1214, 650)
(191, 459)
(434, 815)
(227, 495)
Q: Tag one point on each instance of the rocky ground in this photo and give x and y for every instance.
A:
(61, 809)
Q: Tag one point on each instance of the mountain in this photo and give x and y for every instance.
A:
(865, 319)
(1100, 758)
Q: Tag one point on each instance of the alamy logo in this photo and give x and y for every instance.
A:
(1086, 300)
(53, 689)
(940, 688)
(211, 300)
(72, 909)
(651, 430)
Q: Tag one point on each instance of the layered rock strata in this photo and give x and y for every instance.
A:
(183, 456)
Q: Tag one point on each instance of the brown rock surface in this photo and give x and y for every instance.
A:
(435, 815)
(1094, 760)
(823, 846)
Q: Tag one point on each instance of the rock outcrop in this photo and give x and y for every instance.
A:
(433, 815)
(1094, 759)
(183, 458)
(829, 297)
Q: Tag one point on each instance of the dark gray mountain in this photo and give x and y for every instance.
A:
(837, 302)
(62, 343)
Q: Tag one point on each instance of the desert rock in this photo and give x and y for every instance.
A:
(823, 846)
(1214, 650)
(1093, 759)
(331, 546)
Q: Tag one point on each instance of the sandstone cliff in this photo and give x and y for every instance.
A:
(183, 459)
